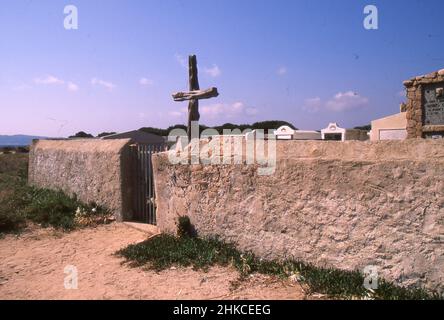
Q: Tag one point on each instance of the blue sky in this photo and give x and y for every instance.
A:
(308, 62)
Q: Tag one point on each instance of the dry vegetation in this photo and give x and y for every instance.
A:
(20, 203)
(186, 250)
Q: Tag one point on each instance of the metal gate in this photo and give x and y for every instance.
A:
(144, 206)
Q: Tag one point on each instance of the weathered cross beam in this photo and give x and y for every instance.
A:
(194, 95)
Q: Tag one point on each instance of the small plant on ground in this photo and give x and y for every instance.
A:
(164, 251)
(184, 227)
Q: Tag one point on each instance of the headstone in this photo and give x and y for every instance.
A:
(284, 133)
(433, 104)
(333, 132)
(425, 106)
(392, 134)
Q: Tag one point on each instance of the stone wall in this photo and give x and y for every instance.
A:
(415, 104)
(94, 170)
(338, 204)
(355, 134)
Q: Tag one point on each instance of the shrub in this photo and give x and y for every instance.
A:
(50, 208)
(23, 149)
(10, 221)
(184, 227)
(56, 209)
(82, 134)
(13, 165)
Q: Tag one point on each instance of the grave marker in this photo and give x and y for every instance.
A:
(194, 95)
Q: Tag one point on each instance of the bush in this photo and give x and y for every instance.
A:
(56, 209)
(50, 208)
(184, 227)
(13, 170)
(13, 165)
(82, 134)
(23, 149)
(10, 221)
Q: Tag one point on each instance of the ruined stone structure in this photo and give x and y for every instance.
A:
(425, 106)
(345, 205)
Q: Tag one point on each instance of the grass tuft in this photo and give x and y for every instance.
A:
(164, 251)
(185, 228)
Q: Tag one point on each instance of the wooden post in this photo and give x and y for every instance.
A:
(193, 106)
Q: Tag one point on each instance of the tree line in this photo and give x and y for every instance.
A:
(265, 125)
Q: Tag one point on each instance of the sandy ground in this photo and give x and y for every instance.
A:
(32, 267)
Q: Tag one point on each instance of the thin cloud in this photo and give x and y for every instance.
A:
(223, 110)
(176, 114)
(72, 87)
(146, 82)
(182, 112)
(219, 111)
(48, 80)
(313, 104)
(22, 87)
(341, 101)
(181, 60)
(106, 84)
(281, 71)
(251, 111)
(214, 71)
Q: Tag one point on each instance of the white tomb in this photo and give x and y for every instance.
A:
(333, 132)
(284, 133)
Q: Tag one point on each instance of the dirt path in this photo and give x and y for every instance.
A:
(32, 267)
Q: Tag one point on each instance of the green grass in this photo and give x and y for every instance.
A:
(164, 251)
(13, 171)
(20, 203)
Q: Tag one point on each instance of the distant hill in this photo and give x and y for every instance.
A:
(17, 140)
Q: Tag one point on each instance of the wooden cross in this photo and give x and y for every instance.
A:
(194, 95)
